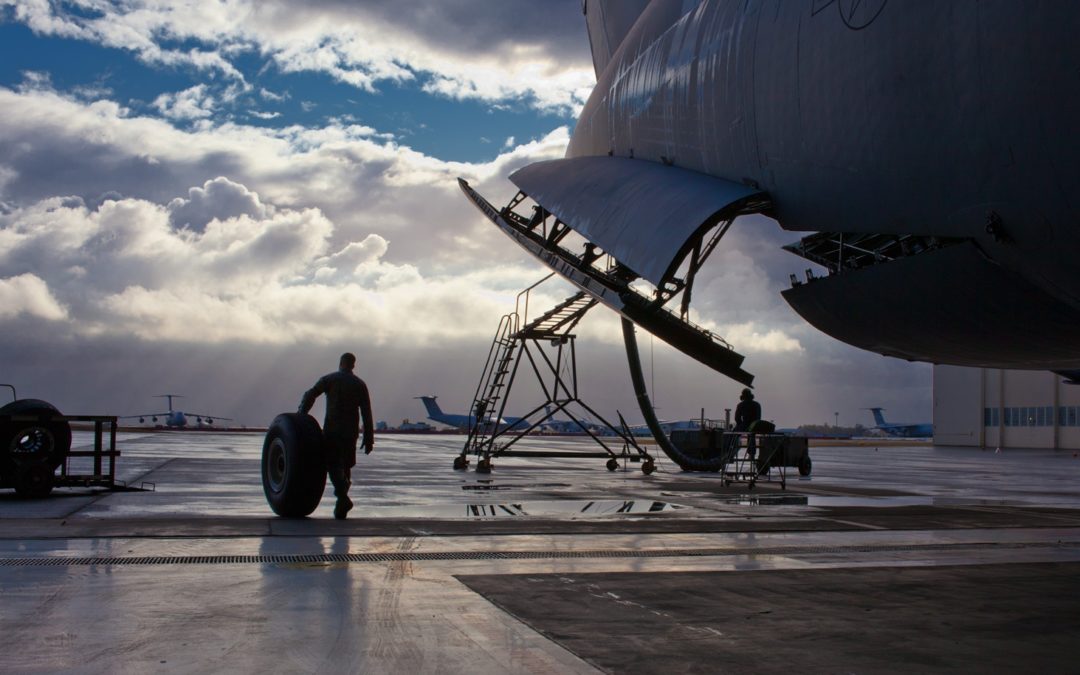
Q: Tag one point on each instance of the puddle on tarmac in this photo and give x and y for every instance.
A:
(862, 501)
(507, 486)
(549, 509)
(821, 500)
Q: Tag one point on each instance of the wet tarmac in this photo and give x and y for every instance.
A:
(883, 560)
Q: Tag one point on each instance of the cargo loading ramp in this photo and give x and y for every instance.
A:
(644, 229)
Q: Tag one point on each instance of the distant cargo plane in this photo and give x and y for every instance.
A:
(463, 422)
(917, 430)
(177, 418)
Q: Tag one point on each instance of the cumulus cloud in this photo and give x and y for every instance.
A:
(252, 273)
(191, 104)
(461, 50)
(753, 338)
(219, 198)
(28, 294)
(144, 30)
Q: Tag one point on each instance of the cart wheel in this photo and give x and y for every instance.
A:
(805, 465)
(293, 469)
(612, 464)
(727, 483)
(34, 481)
(648, 466)
(783, 485)
(750, 486)
(484, 466)
(27, 443)
(460, 463)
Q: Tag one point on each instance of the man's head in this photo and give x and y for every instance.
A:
(348, 361)
(746, 395)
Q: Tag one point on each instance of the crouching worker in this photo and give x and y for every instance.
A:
(346, 394)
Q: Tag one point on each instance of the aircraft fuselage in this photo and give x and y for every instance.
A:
(952, 121)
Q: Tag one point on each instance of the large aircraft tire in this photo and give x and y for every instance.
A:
(37, 445)
(293, 468)
(34, 481)
(805, 465)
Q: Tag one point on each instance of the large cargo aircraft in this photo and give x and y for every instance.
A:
(929, 151)
(176, 419)
(899, 429)
(463, 422)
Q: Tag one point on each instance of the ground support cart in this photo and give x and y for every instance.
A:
(743, 457)
(748, 458)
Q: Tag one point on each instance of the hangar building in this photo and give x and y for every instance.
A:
(993, 408)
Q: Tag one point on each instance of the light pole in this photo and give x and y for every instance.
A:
(836, 419)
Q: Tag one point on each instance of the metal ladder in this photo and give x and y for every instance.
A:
(491, 434)
(489, 399)
(549, 324)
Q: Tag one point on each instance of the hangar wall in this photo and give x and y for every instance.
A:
(992, 408)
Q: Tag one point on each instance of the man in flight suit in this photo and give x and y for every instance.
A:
(345, 395)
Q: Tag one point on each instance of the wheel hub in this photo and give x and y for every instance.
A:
(31, 443)
(276, 465)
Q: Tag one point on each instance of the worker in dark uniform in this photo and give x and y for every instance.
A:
(746, 413)
(346, 394)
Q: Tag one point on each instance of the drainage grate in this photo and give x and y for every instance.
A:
(420, 556)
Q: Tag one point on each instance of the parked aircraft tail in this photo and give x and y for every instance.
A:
(433, 409)
(879, 419)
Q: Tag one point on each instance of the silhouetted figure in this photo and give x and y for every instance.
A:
(346, 395)
(746, 413)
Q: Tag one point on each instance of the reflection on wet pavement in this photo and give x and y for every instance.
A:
(561, 508)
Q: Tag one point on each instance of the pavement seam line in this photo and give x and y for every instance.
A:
(420, 556)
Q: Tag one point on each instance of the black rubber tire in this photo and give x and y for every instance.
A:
(34, 481)
(460, 463)
(30, 444)
(613, 464)
(484, 466)
(293, 467)
(648, 466)
(805, 465)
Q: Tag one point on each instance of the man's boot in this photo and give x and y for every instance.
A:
(344, 505)
(340, 478)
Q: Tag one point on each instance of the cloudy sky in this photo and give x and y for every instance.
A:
(217, 198)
